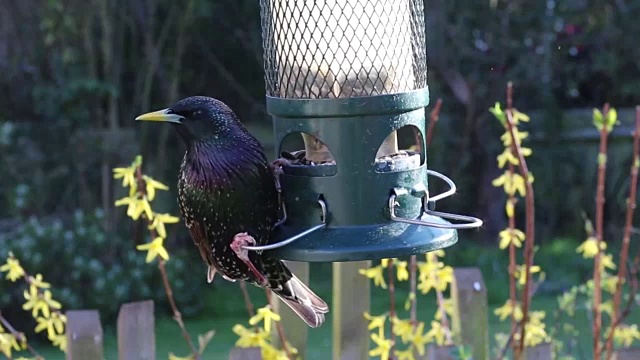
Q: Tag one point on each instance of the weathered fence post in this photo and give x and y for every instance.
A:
(626, 354)
(245, 354)
(351, 298)
(294, 328)
(84, 335)
(542, 351)
(435, 352)
(136, 331)
(470, 319)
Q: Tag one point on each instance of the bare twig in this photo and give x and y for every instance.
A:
(597, 271)
(177, 315)
(513, 295)
(510, 341)
(19, 336)
(530, 222)
(433, 119)
(392, 301)
(280, 330)
(444, 321)
(247, 299)
(624, 252)
(413, 284)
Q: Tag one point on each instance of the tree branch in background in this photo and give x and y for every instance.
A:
(530, 222)
(230, 79)
(247, 299)
(433, 119)
(175, 74)
(624, 252)
(597, 268)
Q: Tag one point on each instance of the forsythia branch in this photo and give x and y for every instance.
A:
(142, 190)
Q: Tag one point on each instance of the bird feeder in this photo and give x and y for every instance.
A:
(348, 76)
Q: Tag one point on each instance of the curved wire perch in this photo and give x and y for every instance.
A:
(288, 241)
(452, 186)
(470, 222)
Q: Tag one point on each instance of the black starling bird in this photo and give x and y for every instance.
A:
(228, 199)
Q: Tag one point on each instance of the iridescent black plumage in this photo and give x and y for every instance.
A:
(226, 187)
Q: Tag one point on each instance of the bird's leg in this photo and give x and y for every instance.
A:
(239, 242)
(276, 167)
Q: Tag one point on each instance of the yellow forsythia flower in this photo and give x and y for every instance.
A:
(375, 322)
(375, 273)
(589, 248)
(12, 268)
(154, 249)
(266, 315)
(521, 274)
(158, 223)
(53, 324)
(626, 334)
(402, 272)
(152, 185)
(402, 328)
(511, 236)
(420, 338)
(38, 282)
(383, 346)
(249, 338)
(507, 309)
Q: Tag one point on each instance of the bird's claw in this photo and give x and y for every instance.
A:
(239, 242)
(276, 167)
(211, 273)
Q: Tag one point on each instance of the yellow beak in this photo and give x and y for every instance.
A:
(160, 115)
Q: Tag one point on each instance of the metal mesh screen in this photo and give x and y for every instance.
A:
(343, 48)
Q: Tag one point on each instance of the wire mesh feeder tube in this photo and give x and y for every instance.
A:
(310, 53)
(347, 74)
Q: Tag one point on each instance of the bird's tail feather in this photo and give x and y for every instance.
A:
(303, 301)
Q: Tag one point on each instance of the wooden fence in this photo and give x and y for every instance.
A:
(136, 335)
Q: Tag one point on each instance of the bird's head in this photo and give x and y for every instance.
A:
(197, 119)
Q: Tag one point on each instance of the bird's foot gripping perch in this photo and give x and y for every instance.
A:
(238, 246)
(276, 168)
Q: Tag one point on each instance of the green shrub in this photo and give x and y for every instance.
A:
(89, 269)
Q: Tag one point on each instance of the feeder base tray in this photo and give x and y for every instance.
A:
(369, 242)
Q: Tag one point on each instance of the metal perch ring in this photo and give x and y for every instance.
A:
(470, 222)
(288, 241)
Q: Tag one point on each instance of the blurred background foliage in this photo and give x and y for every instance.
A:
(75, 73)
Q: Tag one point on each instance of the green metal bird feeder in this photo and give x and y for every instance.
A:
(348, 75)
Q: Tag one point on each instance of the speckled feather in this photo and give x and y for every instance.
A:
(226, 187)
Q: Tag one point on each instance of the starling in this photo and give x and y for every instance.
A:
(228, 199)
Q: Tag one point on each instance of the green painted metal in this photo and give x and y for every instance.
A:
(356, 195)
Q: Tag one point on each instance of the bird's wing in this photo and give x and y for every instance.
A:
(198, 233)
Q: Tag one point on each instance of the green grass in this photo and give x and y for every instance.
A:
(225, 297)
(225, 308)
